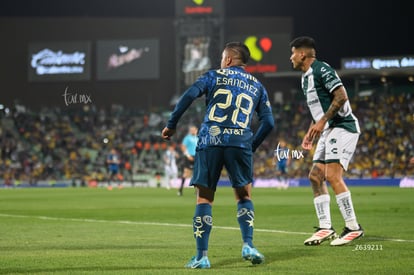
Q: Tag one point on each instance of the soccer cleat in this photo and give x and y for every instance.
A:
(348, 236)
(202, 263)
(320, 235)
(251, 254)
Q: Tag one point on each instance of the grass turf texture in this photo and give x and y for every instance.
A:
(148, 231)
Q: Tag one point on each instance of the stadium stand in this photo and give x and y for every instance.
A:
(71, 143)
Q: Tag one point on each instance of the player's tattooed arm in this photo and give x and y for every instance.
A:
(340, 97)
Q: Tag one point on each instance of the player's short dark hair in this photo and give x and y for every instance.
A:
(303, 42)
(240, 49)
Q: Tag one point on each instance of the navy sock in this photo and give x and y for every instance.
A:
(245, 217)
(202, 224)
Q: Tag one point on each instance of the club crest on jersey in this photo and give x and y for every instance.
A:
(212, 138)
(214, 131)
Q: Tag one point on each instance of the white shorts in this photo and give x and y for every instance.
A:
(171, 171)
(336, 145)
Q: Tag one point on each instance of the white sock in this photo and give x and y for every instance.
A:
(346, 207)
(323, 211)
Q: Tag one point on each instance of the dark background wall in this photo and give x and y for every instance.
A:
(17, 33)
(351, 29)
(20, 32)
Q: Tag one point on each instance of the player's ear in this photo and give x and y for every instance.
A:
(302, 55)
(229, 60)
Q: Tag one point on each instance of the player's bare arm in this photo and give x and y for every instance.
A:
(340, 97)
(307, 140)
(338, 101)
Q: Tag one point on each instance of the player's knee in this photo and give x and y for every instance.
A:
(315, 177)
(311, 176)
(204, 193)
(333, 178)
(242, 193)
(334, 173)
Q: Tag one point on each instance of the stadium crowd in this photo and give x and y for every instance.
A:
(72, 143)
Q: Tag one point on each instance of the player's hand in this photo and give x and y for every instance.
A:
(316, 129)
(315, 132)
(307, 143)
(167, 133)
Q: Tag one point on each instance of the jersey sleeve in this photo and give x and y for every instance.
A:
(194, 91)
(266, 120)
(330, 78)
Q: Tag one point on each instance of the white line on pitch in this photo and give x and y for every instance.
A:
(178, 225)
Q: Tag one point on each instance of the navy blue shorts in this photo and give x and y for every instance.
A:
(210, 161)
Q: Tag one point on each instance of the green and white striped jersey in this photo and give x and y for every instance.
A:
(318, 83)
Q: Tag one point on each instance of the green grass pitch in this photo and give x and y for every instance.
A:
(148, 231)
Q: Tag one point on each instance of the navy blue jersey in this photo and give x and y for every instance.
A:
(113, 162)
(232, 98)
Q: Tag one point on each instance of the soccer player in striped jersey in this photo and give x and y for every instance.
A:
(225, 139)
(336, 130)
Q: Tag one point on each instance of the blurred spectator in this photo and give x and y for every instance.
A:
(170, 165)
(57, 144)
(113, 161)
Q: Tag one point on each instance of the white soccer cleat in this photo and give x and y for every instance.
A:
(348, 236)
(320, 235)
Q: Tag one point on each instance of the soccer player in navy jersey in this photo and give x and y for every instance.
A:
(225, 138)
(113, 161)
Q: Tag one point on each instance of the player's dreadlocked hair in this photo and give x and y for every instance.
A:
(241, 51)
